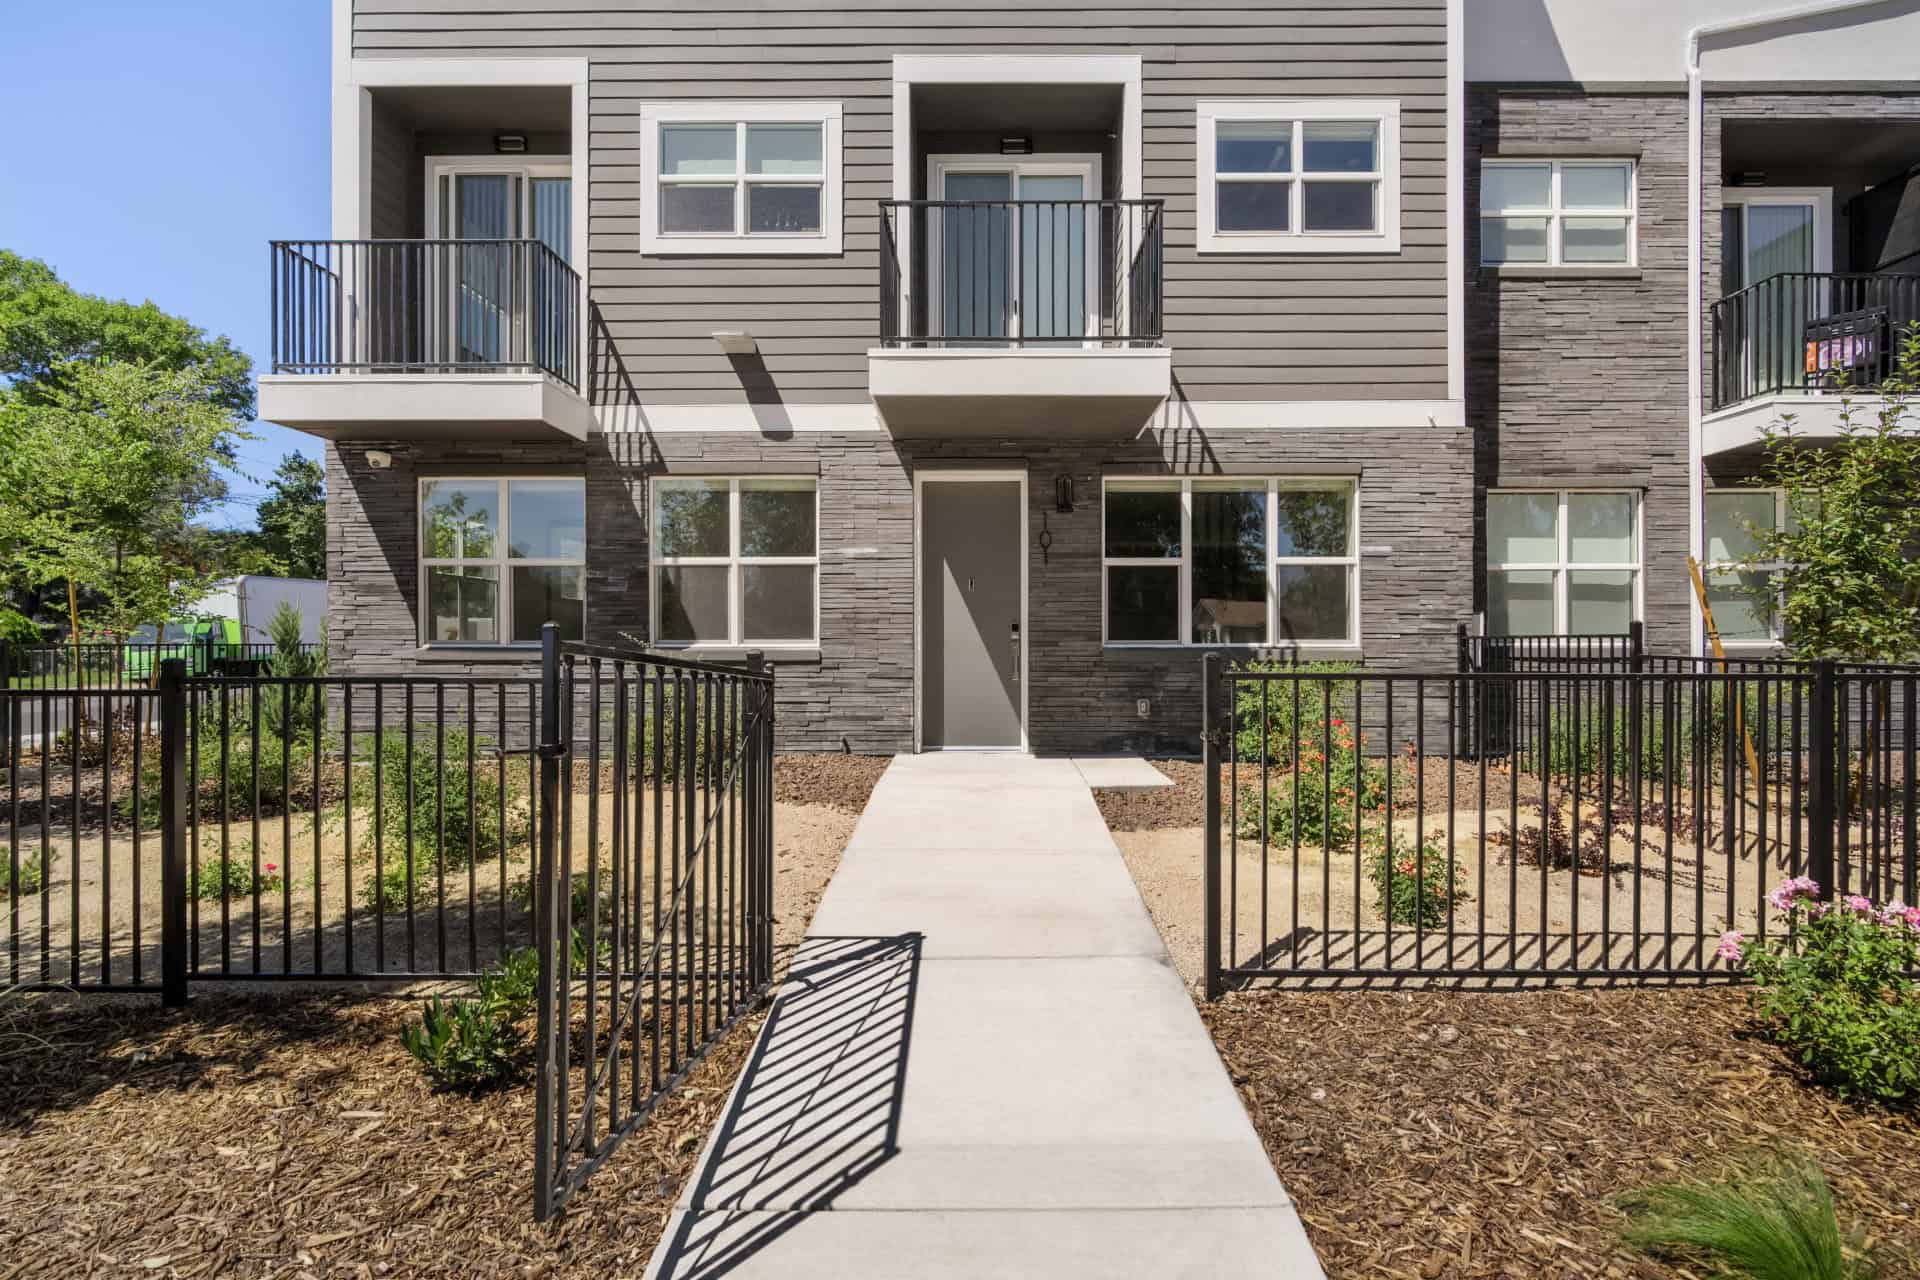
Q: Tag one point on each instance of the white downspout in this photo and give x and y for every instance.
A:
(1696, 270)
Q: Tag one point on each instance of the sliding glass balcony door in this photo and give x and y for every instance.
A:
(1011, 252)
(494, 296)
(1767, 234)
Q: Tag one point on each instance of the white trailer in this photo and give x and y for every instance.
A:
(252, 599)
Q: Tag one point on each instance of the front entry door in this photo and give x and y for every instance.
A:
(970, 593)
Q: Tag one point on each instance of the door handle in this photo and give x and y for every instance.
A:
(1013, 646)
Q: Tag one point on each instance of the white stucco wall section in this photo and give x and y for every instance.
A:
(1644, 42)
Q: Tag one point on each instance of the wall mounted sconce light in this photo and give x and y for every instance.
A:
(511, 144)
(1063, 494)
(736, 342)
(379, 459)
(1017, 145)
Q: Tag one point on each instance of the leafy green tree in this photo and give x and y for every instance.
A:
(1849, 581)
(117, 421)
(293, 518)
(101, 478)
(47, 326)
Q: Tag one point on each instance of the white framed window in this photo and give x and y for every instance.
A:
(736, 561)
(740, 177)
(1558, 213)
(1230, 561)
(1280, 175)
(499, 556)
(1563, 562)
(1745, 598)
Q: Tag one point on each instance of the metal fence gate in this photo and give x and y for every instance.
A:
(655, 887)
(1587, 818)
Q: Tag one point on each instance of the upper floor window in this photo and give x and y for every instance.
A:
(1554, 213)
(1288, 176)
(499, 557)
(1563, 562)
(740, 177)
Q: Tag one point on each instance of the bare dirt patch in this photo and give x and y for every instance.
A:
(1478, 1135)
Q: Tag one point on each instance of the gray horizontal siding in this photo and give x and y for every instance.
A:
(1246, 327)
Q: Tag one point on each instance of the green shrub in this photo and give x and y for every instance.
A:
(1316, 799)
(1267, 728)
(231, 878)
(1772, 1222)
(448, 795)
(286, 773)
(1583, 743)
(296, 709)
(30, 880)
(1415, 887)
(18, 632)
(1833, 990)
(511, 986)
(464, 1045)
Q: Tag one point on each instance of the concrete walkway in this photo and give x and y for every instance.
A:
(983, 1065)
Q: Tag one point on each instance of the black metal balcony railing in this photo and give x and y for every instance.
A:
(1015, 273)
(424, 306)
(1810, 331)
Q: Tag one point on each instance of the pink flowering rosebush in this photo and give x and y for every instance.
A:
(1835, 989)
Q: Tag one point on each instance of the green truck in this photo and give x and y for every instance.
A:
(210, 646)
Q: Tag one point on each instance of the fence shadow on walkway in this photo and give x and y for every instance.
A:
(818, 1107)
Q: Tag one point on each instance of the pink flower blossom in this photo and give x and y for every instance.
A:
(1860, 905)
(1729, 948)
(1792, 891)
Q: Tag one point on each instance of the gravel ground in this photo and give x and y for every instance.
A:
(291, 1136)
(1473, 1135)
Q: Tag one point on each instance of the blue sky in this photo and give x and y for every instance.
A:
(157, 147)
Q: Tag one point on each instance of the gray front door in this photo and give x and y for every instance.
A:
(970, 613)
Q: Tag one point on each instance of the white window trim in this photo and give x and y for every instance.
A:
(500, 561)
(732, 562)
(653, 115)
(1385, 112)
(1555, 212)
(1275, 485)
(1777, 629)
(1562, 565)
(526, 168)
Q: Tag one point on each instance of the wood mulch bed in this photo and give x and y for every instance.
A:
(837, 781)
(1184, 804)
(1454, 1134)
(273, 1137)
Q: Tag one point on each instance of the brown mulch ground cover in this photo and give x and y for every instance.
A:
(1472, 1135)
(294, 1137)
(1184, 803)
(837, 781)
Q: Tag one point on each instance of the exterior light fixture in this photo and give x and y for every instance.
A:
(1063, 494)
(1019, 145)
(736, 342)
(379, 459)
(510, 143)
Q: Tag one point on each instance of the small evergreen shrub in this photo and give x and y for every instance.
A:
(1418, 888)
(464, 1045)
(444, 799)
(1835, 992)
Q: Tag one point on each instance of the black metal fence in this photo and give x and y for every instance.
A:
(655, 887)
(1810, 331)
(436, 306)
(264, 829)
(1021, 272)
(1576, 821)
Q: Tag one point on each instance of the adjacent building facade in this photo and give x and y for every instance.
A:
(985, 369)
